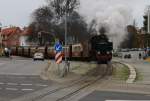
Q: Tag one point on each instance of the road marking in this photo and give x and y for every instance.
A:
(13, 89)
(1, 83)
(41, 85)
(26, 84)
(27, 89)
(12, 84)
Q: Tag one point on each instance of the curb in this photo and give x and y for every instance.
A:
(132, 75)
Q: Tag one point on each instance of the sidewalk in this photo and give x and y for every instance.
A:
(148, 59)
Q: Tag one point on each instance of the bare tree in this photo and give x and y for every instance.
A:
(63, 6)
(42, 20)
(77, 27)
(92, 27)
(43, 17)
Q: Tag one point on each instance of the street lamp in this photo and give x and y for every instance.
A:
(66, 35)
(67, 63)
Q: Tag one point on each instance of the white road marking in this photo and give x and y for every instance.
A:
(1, 83)
(26, 84)
(27, 89)
(41, 85)
(12, 84)
(13, 89)
(15, 84)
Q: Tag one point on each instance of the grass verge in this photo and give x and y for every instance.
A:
(120, 72)
(139, 76)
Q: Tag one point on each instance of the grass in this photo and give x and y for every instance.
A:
(121, 72)
(83, 69)
(139, 77)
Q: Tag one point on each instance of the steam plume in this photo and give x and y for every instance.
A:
(111, 14)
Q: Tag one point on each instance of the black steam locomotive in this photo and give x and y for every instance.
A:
(101, 49)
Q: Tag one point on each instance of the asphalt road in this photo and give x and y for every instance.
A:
(13, 86)
(104, 96)
(21, 66)
(20, 76)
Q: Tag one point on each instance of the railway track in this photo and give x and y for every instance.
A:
(70, 89)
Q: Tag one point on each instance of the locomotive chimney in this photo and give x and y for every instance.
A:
(102, 30)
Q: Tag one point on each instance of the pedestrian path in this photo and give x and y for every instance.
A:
(148, 59)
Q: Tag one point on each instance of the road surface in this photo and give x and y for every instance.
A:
(20, 76)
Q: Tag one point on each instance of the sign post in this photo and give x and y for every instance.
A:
(59, 55)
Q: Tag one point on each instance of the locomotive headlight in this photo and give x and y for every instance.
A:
(98, 52)
(108, 52)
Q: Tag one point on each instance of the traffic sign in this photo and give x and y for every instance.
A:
(58, 47)
(59, 57)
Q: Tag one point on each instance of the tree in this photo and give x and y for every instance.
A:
(43, 17)
(42, 20)
(51, 18)
(92, 28)
(63, 6)
(77, 28)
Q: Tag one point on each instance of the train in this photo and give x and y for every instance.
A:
(98, 48)
(101, 49)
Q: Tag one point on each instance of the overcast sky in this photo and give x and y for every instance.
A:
(17, 12)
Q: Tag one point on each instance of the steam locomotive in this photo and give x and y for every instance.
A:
(101, 49)
(98, 48)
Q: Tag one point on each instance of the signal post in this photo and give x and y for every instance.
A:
(58, 55)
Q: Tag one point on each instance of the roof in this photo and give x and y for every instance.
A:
(9, 31)
(26, 31)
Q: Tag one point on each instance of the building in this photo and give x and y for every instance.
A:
(143, 40)
(23, 40)
(10, 36)
(15, 36)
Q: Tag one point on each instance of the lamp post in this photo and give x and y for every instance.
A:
(66, 35)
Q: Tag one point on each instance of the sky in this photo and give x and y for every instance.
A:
(18, 12)
(134, 8)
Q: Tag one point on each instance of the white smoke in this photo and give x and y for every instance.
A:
(115, 15)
